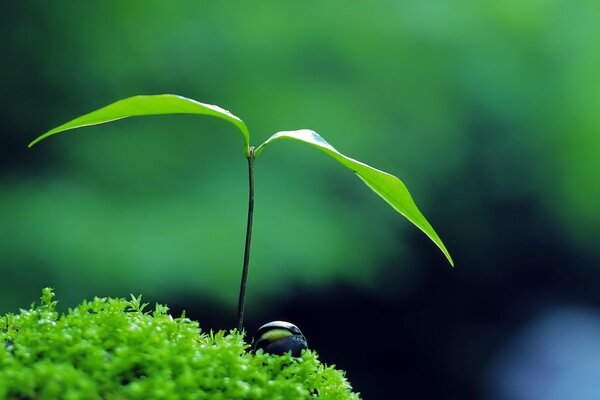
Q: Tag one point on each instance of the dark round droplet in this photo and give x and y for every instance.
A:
(268, 338)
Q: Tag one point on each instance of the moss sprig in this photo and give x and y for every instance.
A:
(111, 348)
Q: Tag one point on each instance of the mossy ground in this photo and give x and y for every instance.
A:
(114, 349)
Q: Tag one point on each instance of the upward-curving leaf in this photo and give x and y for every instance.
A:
(390, 188)
(138, 106)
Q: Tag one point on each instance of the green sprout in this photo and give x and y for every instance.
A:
(387, 186)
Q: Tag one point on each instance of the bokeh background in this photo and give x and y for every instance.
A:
(488, 111)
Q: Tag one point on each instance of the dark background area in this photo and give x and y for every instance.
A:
(489, 112)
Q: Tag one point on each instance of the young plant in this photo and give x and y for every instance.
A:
(387, 186)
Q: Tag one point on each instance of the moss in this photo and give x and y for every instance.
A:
(114, 349)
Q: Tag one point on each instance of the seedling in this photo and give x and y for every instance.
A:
(387, 186)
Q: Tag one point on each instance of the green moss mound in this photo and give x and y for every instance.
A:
(113, 349)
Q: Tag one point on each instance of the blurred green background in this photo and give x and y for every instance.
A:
(488, 111)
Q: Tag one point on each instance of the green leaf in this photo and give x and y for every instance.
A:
(138, 106)
(390, 188)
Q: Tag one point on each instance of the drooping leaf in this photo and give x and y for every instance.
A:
(137, 106)
(389, 187)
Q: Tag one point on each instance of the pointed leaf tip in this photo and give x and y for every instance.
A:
(391, 189)
(143, 105)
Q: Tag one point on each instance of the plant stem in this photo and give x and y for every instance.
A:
(242, 299)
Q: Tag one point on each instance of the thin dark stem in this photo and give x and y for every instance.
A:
(242, 299)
